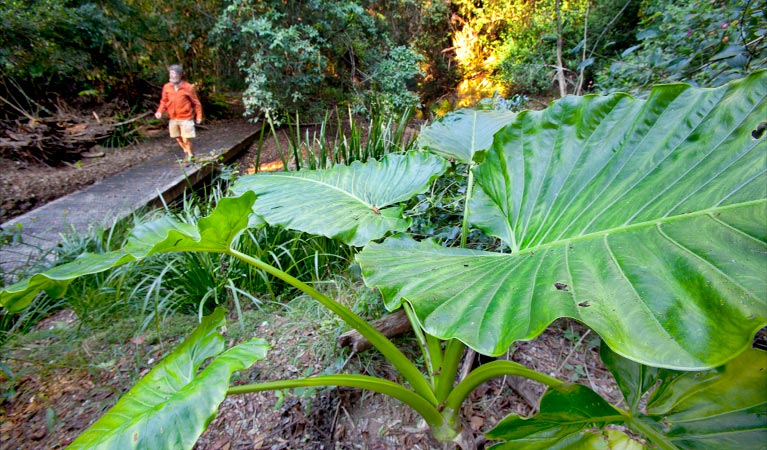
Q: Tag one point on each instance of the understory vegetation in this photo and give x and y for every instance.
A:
(107, 59)
(635, 207)
(374, 55)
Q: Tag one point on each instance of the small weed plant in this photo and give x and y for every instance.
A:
(643, 220)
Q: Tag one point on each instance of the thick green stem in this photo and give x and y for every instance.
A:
(432, 354)
(408, 370)
(455, 348)
(426, 409)
(465, 222)
(450, 361)
(651, 433)
(434, 346)
(489, 371)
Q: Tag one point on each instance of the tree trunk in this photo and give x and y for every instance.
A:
(560, 66)
(582, 73)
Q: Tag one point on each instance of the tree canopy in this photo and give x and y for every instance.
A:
(370, 55)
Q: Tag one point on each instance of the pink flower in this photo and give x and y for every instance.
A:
(725, 25)
(689, 33)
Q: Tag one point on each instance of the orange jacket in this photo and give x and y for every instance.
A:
(181, 104)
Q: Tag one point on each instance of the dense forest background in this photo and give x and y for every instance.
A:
(373, 56)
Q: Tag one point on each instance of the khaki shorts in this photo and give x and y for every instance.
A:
(182, 128)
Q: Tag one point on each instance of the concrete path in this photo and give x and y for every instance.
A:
(107, 201)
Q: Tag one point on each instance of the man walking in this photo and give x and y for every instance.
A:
(182, 104)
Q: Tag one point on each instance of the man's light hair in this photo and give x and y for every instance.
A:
(176, 68)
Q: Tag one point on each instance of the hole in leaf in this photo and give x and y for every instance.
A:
(758, 133)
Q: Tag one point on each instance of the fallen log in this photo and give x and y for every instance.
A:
(391, 325)
(59, 138)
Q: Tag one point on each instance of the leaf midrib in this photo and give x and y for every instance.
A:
(585, 144)
(646, 224)
(333, 187)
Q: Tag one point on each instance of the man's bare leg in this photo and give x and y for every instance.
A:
(186, 146)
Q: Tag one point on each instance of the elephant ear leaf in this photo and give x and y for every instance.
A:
(568, 419)
(715, 409)
(165, 235)
(463, 133)
(355, 203)
(172, 405)
(719, 408)
(643, 219)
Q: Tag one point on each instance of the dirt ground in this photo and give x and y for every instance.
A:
(48, 406)
(45, 407)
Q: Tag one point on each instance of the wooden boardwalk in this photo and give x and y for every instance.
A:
(158, 180)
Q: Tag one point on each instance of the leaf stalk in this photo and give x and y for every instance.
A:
(425, 408)
(492, 370)
(405, 367)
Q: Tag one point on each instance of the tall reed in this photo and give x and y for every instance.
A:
(340, 140)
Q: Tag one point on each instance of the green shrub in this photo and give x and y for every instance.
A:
(305, 55)
(522, 40)
(703, 42)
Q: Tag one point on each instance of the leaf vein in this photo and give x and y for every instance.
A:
(583, 146)
(704, 261)
(642, 305)
(647, 173)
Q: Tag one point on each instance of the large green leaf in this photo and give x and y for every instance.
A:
(644, 219)
(212, 234)
(351, 203)
(461, 134)
(172, 405)
(722, 408)
(567, 418)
